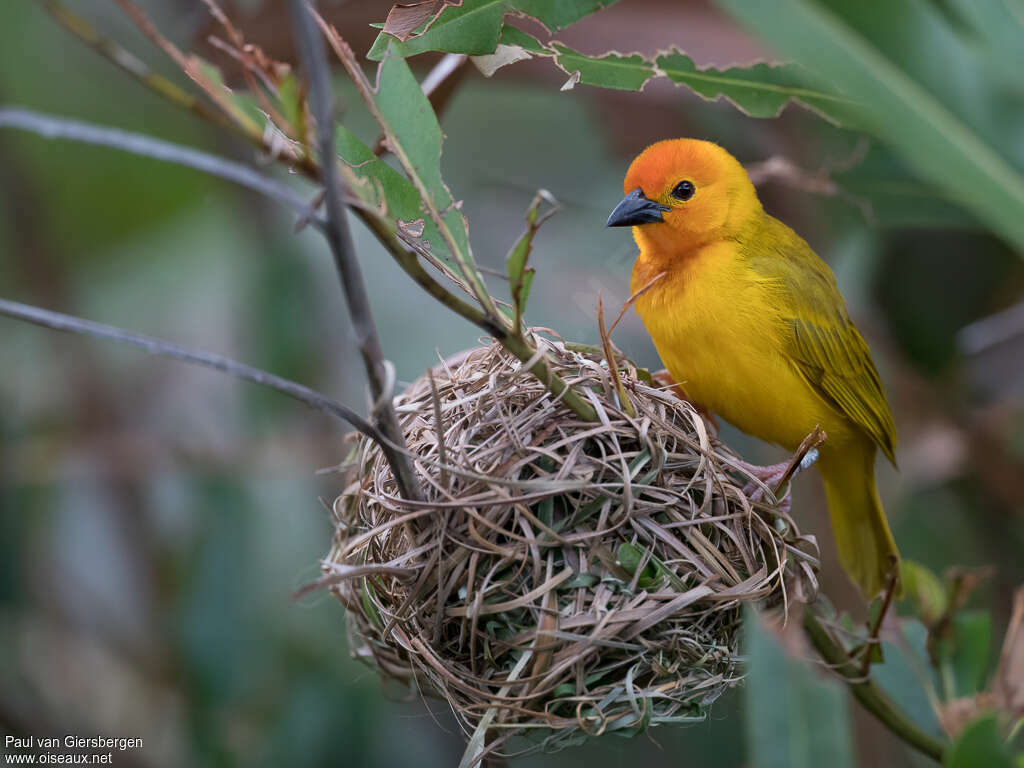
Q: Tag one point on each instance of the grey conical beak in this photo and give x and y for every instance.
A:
(636, 209)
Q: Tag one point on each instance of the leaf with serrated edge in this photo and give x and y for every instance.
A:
(475, 26)
(503, 56)
(407, 112)
(758, 89)
(405, 18)
(379, 185)
(932, 140)
(623, 72)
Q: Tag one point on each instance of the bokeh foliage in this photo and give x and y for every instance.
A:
(218, 523)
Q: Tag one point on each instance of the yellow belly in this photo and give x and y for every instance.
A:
(722, 340)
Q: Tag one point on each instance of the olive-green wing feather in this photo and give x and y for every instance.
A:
(829, 352)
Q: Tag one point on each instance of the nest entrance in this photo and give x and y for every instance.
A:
(562, 579)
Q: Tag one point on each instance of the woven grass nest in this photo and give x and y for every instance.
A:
(563, 578)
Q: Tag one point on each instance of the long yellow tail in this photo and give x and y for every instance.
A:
(862, 533)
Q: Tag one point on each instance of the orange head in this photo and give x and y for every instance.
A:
(682, 193)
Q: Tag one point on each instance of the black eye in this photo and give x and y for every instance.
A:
(684, 190)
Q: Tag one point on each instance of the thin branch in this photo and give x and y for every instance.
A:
(874, 637)
(366, 91)
(992, 330)
(636, 295)
(129, 63)
(806, 454)
(383, 230)
(161, 348)
(440, 82)
(139, 144)
(871, 697)
(314, 62)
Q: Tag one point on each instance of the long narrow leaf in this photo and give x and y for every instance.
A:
(795, 717)
(931, 139)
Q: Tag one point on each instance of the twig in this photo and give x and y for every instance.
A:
(139, 144)
(634, 296)
(992, 330)
(440, 82)
(442, 449)
(464, 260)
(494, 322)
(613, 365)
(804, 451)
(249, 72)
(873, 634)
(783, 171)
(871, 697)
(128, 62)
(71, 324)
(382, 229)
(314, 62)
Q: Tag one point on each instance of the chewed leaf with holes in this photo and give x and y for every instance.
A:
(474, 26)
(611, 70)
(406, 20)
(382, 187)
(478, 28)
(759, 90)
(414, 135)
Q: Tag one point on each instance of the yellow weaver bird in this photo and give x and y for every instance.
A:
(749, 322)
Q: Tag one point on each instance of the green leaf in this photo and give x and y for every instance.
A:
(898, 198)
(239, 106)
(379, 185)
(630, 557)
(993, 31)
(759, 90)
(290, 98)
(972, 635)
(901, 111)
(907, 677)
(369, 607)
(475, 26)
(979, 745)
(585, 580)
(520, 277)
(612, 70)
(516, 259)
(525, 284)
(924, 590)
(514, 36)
(795, 718)
(416, 136)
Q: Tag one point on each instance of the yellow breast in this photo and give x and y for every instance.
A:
(718, 334)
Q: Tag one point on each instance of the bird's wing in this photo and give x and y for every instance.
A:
(829, 352)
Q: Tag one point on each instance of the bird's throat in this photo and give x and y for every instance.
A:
(673, 262)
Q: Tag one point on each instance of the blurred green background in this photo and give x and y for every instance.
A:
(155, 519)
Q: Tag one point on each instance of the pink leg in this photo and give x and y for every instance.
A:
(773, 474)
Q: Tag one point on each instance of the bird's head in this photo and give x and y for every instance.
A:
(681, 193)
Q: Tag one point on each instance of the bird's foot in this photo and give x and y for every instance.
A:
(776, 477)
(770, 475)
